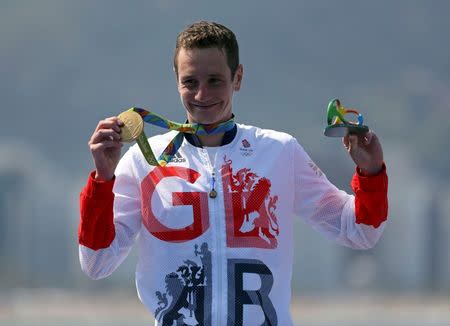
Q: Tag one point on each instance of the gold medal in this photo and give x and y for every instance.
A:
(133, 125)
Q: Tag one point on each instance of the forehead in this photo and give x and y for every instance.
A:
(198, 61)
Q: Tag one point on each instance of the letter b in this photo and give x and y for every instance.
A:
(238, 296)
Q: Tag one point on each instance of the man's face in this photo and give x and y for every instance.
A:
(205, 85)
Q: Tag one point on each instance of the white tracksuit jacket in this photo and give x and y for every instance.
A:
(225, 260)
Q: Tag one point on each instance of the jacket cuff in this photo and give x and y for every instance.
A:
(371, 201)
(97, 188)
(96, 229)
(377, 182)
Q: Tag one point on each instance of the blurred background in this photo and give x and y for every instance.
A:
(64, 65)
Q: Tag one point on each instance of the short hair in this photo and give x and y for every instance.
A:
(204, 34)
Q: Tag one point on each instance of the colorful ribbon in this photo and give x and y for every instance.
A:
(190, 128)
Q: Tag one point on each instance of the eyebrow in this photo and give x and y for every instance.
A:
(194, 77)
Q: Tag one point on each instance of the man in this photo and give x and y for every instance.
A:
(214, 227)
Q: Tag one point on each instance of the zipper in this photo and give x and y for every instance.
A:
(214, 185)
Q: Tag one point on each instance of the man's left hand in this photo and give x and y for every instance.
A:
(366, 152)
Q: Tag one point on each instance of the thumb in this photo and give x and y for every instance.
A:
(352, 142)
(368, 138)
(346, 142)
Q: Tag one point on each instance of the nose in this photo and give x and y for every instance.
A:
(202, 92)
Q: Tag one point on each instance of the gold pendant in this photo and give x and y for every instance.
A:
(213, 194)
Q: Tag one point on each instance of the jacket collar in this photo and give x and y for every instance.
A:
(227, 138)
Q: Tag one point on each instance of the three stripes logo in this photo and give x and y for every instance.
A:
(177, 158)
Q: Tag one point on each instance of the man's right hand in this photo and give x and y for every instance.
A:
(106, 147)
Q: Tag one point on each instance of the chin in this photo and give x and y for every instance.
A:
(206, 118)
(206, 121)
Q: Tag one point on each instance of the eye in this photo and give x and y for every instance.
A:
(215, 81)
(189, 83)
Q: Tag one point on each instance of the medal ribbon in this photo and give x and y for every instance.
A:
(191, 128)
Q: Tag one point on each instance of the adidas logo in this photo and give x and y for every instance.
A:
(177, 158)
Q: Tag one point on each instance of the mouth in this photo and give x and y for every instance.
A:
(203, 106)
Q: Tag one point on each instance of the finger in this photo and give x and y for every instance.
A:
(110, 123)
(353, 141)
(105, 145)
(374, 137)
(368, 138)
(346, 142)
(104, 135)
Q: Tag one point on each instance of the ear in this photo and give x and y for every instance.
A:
(238, 77)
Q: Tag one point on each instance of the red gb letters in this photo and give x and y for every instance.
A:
(249, 207)
(198, 201)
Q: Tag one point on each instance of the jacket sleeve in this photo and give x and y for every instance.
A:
(371, 200)
(353, 222)
(110, 219)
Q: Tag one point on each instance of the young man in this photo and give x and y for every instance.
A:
(214, 227)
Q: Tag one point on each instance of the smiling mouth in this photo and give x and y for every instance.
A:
(203, 106)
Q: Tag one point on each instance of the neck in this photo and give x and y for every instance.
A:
(211, 140)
